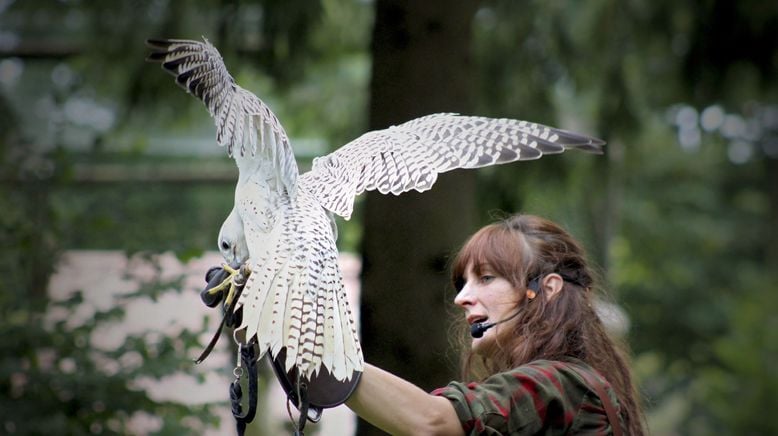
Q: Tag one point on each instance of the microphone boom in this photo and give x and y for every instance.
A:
(478, 329)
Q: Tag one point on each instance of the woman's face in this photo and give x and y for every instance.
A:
(486, 298)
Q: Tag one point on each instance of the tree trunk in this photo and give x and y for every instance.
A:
(421, 65)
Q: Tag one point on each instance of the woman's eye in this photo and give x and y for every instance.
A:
(486, 278)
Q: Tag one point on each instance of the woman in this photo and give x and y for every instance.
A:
(526, 292)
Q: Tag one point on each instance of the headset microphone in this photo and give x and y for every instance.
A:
(478, 329)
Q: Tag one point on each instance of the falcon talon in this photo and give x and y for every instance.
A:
(229, 269)
(222, 286)
(230, 294)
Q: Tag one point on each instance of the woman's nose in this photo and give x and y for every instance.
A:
(465, 297)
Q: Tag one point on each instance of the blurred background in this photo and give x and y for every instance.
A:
(112, 192)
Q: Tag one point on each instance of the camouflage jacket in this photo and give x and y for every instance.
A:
(542, 397)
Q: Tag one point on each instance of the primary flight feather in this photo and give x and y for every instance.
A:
(282, 223)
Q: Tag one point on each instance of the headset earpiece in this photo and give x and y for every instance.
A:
(533, 287)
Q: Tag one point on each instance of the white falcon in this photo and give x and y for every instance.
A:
(282, 223)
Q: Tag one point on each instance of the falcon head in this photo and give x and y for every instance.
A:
(232, 241)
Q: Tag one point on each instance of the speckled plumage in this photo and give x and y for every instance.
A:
(282, 224)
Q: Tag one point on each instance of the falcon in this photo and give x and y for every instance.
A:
(282, 225)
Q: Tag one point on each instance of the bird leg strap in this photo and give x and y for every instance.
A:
(229, 278)
(247, 356)
(304, 406)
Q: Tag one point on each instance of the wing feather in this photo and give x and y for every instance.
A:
(237, 113)
(411, 155)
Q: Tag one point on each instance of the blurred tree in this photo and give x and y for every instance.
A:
(421, 65)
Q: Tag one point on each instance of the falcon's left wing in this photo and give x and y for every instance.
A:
(411, 155)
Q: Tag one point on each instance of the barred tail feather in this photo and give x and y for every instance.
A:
(294, 318)
(291, 324)
(330, 335)
(307, 341)
(318, 344)
(252, 300)
(338, 368)
(351, 347)
(271, 319)
(263, 301)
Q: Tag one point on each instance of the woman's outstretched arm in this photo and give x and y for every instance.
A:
(399, 407)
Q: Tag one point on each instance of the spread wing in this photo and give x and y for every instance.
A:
(243, 121)
(411, 155)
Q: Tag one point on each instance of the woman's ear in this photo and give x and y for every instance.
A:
(552, 284)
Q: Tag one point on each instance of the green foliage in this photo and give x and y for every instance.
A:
(169, 218)
(752, 380)
(52, 380)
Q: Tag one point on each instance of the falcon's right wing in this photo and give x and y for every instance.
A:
(411, 155)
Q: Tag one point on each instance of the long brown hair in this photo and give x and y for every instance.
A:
(519, 249)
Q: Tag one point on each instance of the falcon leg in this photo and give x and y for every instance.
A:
(237, 280)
